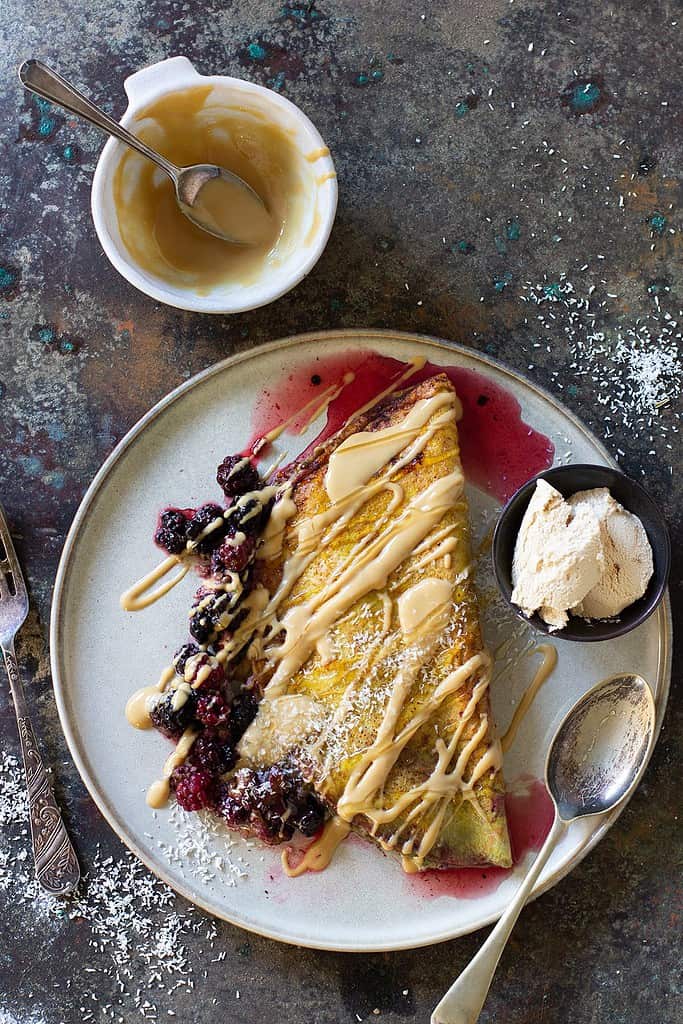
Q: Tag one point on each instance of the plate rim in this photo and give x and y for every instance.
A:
(184, 888)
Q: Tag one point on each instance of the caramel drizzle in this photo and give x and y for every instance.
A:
(321, 851)
(140, 595)
(547, 666)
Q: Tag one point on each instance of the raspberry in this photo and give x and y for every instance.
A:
(170, 534)
(212, 752)
(194, 787)
(170, 721)
(212, 709)
(236, 475)
(232, 557)
(203, 680)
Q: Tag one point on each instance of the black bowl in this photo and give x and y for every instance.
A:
(568, 480)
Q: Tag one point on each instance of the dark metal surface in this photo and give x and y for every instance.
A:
(484, 150)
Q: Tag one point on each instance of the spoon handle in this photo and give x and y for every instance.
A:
(45, 82)
(464, 1000)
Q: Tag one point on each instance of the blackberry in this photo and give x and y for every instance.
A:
(232, 557)
(203, 517)
(201, 627)
(212, 752)
(170, 534)
(170, 721)
(242, 713)
(194, 787)
(309, 813)
(182, 655)
(212, 709)
(249, 518)
(236, 475)
(269, 803)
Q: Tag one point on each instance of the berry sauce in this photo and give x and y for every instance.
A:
(500, 451)
(530, 814)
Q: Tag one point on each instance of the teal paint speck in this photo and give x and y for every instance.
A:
(461, 109)
(68, 152)
(513, 231)
(56, 478)
(552, 291)
(573, 390)
(362, 79)
(501, 247)
(277, 83)
(55, 432)
(46, 335)
(378, 75)
(256, 51)
(31, 464)
(463, 246)
(657, 224)
(500, 283)
(584, 97)
(7, 278)
(66, 346)
(46, 123)
(491, 348)
(335, 304)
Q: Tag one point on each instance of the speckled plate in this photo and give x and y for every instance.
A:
(363, 902)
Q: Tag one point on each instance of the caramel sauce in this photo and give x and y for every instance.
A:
(227, 208)
(200, 126)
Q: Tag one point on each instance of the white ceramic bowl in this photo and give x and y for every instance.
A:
(313, 228)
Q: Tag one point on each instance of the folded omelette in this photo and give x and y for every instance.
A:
(376, 679)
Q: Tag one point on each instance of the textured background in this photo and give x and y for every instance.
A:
(499, 162)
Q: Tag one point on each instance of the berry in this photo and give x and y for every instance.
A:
(170, 534)
(194, 787)
(203, 517)
(170, 721)
(212, 709)
(269, 803)
(242, 713)
(203, 680)
(236, 475)
(232, 557)
(182, 655)
(201, 627)
(212, 752)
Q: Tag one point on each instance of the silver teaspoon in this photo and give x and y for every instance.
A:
(236, 213)
(595, 761)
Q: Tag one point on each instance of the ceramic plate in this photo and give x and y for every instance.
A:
(363, 902)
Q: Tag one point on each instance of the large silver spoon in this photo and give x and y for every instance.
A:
(595, 761)
(228, 208)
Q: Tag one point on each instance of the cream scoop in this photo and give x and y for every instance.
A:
(627, 556)
(586, 556)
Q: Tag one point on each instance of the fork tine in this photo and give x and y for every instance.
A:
(11, 563)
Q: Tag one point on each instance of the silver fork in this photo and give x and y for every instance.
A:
(57, 867)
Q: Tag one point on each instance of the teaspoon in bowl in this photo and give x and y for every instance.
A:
(595, 761)
(213, 198)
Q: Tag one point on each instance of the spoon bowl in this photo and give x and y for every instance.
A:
(595, 761)
(234, 213)
(599, 751)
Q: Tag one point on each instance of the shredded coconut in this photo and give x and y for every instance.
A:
(132, 918)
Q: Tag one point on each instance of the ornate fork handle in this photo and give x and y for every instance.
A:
(57, 867)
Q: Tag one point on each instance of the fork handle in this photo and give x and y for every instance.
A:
(56, 863)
